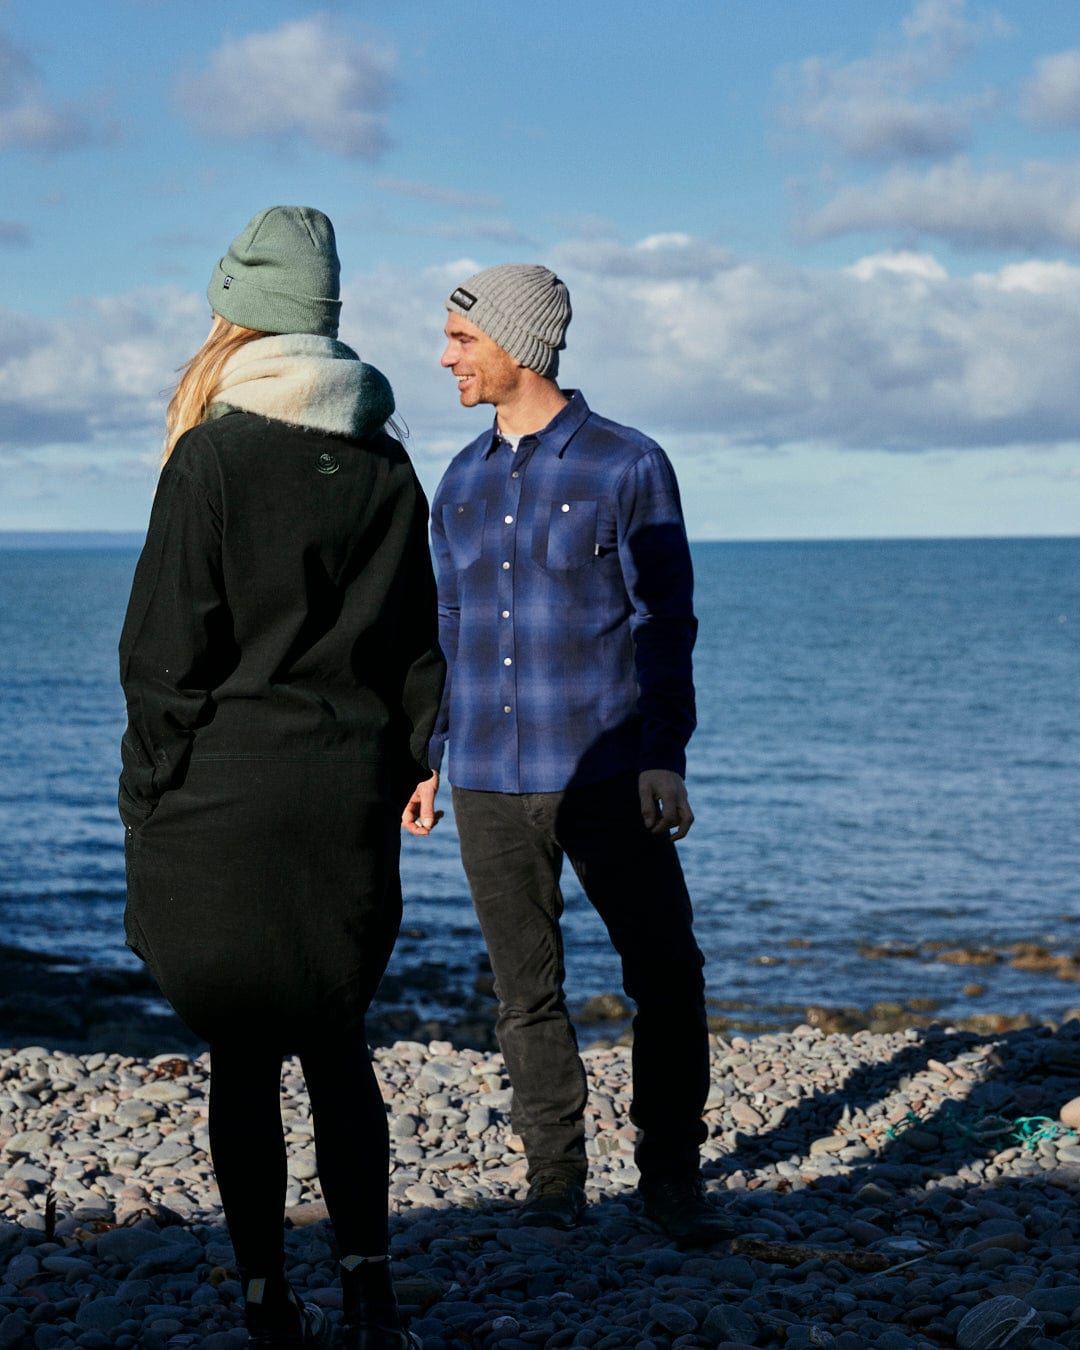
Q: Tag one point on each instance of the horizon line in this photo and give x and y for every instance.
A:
(73, 538)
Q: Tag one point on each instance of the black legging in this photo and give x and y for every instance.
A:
(248, 1145)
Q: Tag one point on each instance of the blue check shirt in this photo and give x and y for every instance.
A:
(565, 608)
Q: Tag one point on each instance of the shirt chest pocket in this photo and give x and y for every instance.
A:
(463, 525)
(565, 536)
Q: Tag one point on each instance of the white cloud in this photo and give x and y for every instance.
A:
(944, 29)
(97, 374)
(1036, 278)
(875, 127)
(429, 192)
(728, 355)
(308, 80)
(1052, 98)
(30, 119)
(891, 354)
(660, 255)
(874, 109)
(878, 357)
(902, 263)
(1035, 206)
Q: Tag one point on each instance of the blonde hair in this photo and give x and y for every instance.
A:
(198, 382)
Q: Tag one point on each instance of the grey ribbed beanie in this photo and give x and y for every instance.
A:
(523, 307)
(281, 274)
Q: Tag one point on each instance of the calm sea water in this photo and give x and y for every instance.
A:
(888, 752)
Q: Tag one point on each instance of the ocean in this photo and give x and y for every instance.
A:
(886, 777)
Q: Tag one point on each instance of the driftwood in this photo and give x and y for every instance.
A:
(792, 1254)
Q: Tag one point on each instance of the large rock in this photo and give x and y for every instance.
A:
(127, 1245)
(1070, 1114)
(102, 1314)
(1001, 1321)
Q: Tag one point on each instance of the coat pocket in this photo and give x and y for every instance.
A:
(568, 537)
(133, 812)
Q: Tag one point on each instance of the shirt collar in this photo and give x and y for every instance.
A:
(559, 432)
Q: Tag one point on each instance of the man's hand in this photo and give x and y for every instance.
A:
(420, 816)
(665, 807)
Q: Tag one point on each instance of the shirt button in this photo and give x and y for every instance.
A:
(506, 707)
(507, 661)
(506, 567)
(566, 506)
(506, 613)
(514, 474)
(508, 520)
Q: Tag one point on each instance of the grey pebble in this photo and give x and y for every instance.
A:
(102, 1314)
(799, 1152)
(672, 1318)
(13, 1330)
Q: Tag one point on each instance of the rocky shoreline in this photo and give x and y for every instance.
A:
(52, 1000)
(901, 1190)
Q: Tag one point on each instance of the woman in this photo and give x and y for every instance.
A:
(282, 674)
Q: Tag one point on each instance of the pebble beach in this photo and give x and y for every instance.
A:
(904, 1190)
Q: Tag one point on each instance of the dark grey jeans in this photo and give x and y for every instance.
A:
(512, 846)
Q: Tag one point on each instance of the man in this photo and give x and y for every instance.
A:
(565, 603)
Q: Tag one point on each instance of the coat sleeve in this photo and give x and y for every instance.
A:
(658, 573)
(449, 623)
(176, 631)
(425, 666)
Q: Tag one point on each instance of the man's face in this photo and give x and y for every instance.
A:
(484, 372)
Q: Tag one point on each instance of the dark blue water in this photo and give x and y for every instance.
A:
(888, 752)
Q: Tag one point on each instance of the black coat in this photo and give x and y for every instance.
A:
(282, 674)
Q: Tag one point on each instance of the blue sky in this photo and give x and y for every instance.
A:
(828, 255)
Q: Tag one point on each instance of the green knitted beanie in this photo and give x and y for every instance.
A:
(281, 274)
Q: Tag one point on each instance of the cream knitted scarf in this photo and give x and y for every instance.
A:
(307, 381)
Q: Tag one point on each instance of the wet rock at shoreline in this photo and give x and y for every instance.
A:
(1033, 957)
(603, 1008)
(51, 1000)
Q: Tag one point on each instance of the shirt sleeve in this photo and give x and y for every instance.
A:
(658, 573)
(177, 623)
(449, 625)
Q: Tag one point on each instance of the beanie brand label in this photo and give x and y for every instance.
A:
(463, 298)
(227, 283)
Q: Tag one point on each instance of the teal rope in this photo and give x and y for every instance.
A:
(894, 1131)
(1027, 1131)
(1030, 1131)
